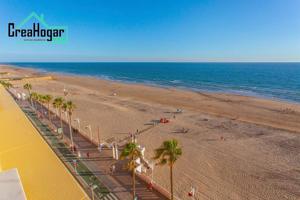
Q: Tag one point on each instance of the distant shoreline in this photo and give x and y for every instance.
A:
(144, 83)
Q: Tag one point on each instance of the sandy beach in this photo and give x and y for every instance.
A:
(259, 157)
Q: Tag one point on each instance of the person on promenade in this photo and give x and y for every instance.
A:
(112, 169)
(150, 186)
(131, 136)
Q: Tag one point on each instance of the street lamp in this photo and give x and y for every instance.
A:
(117, 152)
(78, 122)
(66, 115)
(93, 187)
(152, 165)
(89, 127)
(79, 154)
(75, 165)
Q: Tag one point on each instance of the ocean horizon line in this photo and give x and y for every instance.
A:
(148, 61)
(275, 81)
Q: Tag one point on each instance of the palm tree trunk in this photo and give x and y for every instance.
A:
(49, 112)
(61, 124)
(70, 129)
(133, 183)
(41, 108)
(171, 181)
(30, 100)
(44, 109)
(33, 104)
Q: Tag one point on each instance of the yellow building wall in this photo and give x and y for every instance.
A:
(43, 175)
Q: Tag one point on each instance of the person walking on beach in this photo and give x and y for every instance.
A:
(131, 136)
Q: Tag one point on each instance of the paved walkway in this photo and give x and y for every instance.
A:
(120, 182)
(42, 174)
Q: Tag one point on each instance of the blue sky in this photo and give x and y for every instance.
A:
(156, 30)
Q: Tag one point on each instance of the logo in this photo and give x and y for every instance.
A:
(35, 29)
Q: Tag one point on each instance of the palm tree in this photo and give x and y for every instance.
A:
(6, 84)
(34, 98)
(28, 87)
(131, 152)
(40, 99)
(168, 153)
(48, 98)
(58, 103)
(69, 107)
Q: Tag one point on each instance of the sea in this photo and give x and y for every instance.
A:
(278, 81)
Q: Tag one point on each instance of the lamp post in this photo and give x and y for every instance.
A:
(93, 187)
(89, 127)
(66, 115)
(117, 152)
(152, 165)
(78, 122)
(98, 136)
(113, 151)
(75, 165)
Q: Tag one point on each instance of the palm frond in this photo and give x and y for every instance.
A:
(168, 153)
(132, 153)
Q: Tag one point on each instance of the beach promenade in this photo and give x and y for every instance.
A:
(42, 174)
(118, 183)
